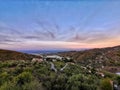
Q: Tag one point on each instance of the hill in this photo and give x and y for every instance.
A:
(109, 58)
(14, 55)
(86, 72)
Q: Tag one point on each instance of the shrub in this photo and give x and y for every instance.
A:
(118, 79)
(4, 77)
(81, 82)
(23, 78)
(10, 86)
(34, 85)
(105, 84)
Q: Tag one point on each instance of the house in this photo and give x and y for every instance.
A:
(37, 60)
(53, 58)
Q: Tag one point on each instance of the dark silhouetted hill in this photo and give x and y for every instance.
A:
(14, 55)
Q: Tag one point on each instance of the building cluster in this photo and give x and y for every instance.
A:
(51, 58)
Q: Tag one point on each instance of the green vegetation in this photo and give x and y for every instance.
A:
(27, 75)
(78, 70)
(106, 84)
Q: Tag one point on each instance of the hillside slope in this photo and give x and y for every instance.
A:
(101, 57)
(13, 55)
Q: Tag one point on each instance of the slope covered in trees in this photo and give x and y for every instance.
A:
(27, 75)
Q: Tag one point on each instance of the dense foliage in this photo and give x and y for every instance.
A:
(27, 75)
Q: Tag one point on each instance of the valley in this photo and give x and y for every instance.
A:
(75, 70)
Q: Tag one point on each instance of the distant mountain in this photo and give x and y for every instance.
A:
(42, 51)
(99, 57)
(14, 55)
(52, 51)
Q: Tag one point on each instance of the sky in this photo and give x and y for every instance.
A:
(53, 24)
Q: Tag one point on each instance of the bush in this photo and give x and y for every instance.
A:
(4, 77)
(23, 78)
(105, 84)
(118, 79)
(34, 85)
(9, 86)
(80, 82)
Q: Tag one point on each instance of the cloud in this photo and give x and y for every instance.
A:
(7, 29)
(39, 36)
(84, 38)
(7, 39)
(52, 33)
(47, 29)
(10, 35)
(5, 43)
(95, 36)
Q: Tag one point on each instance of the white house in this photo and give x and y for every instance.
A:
(37, 60)
(54, 57)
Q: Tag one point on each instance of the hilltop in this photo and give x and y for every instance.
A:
(14, 55)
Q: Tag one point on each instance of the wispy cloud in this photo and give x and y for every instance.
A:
(9, 34)
(9, 30)
(46, 36)
(47, 29)
(95, 36)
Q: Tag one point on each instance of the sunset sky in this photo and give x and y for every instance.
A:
(39, 24)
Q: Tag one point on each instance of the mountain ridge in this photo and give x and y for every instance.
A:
(109, 57)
